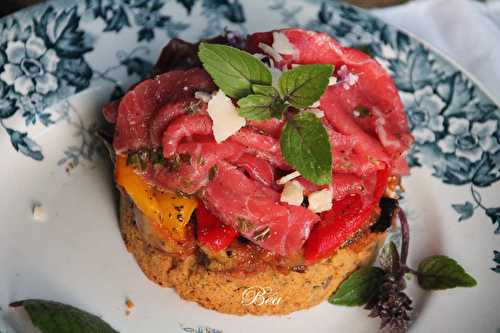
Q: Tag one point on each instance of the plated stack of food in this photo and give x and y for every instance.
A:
(270, 161)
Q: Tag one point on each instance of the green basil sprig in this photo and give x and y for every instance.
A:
(304, 141)
(381, 289)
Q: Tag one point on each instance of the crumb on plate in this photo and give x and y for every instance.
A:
(38, 212)
(130, 305)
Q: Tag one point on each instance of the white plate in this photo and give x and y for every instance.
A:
(87, 50)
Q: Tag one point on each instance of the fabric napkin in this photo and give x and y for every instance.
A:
(466, 31)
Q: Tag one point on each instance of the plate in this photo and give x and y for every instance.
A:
(61, 61)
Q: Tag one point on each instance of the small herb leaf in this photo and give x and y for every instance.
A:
(441, 272)
(54, 317)
(265, 90)
(304, 85)
(255, 107)
(233, 70)
(358, 288)
(305, 145)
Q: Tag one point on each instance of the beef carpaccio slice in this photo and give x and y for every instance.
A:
(235, 179)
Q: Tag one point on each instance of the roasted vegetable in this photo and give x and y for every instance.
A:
(167, 209)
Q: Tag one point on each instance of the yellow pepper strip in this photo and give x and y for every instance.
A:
(167, 209)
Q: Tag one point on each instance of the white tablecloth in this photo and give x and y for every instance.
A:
(466, 31)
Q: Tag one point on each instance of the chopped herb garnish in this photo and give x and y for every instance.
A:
(193, 108)
(361, 112)
(157, 157)
(262, 234)
(244, 225)
(173, 163)
(185, 158)
(212, 172)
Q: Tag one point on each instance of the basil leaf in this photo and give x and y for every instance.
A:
(305, 145)
(54, 317)
(358, 288)
(304, 85)
(264, 104)
(265, 90)
(441, 272)
(234, 71)
(255, 107)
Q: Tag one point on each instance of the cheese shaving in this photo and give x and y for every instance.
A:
(270, 51)
(293, 193)
(320, 201)
(283, 180)
(225, 117)
(281, 44)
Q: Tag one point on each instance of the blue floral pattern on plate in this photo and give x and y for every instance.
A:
(47, 54)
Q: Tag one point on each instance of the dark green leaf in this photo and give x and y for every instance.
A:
(305, 145)
(234, 71)
(441, 272)
(54, 317)
(389, 257)
(264, 104)
(304, 85)
(358, 288)
(255, 107)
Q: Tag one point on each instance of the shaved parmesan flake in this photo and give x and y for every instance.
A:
(225, 118)
(320, 201)
(270, 51)
(202, 96)
(293, 193)
(281, 44)
(283, 180)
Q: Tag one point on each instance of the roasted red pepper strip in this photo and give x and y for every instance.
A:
(341, 222)
(212, 232)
